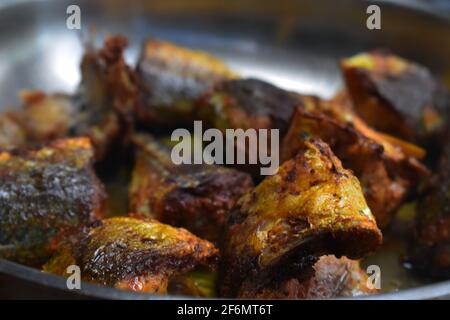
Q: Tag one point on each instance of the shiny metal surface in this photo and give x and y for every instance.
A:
(295, 44)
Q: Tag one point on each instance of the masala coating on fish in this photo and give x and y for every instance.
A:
(172, 78)
(333, 278)
(196, 197)
(311, 207)
(45, 193)
(397, 96)
(133, 254)
(430, 250)
(386, 167)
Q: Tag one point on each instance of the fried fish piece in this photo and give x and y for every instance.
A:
(311, 207)
(387, 167)
(246, 104)
(45, 193)
(101, 109)
(133, 254)
(430, 250)
(249, 103)
(397, 96)
(108, 96)
(341, 108)
(196, 197)
(172, 78)
(332, 278)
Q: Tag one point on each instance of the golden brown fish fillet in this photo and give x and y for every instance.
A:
(311, 207)
(133, 254)
(387, 169)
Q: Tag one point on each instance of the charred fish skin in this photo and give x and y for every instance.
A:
(172, 78)
(133, 254)
(430, 250)
(248, 103)
(196, 197)
(413, 103)
(44, 193)
(311, 207)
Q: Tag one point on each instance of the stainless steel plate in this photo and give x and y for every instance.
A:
(292, 43)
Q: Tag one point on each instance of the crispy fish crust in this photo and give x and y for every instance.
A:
(172, 78)
(248, 103)
(44, 193)
(386, 167)
(430, 250)
(133, 254)
(196, 197)
(396, 96)
(332, 278)
(311, 207)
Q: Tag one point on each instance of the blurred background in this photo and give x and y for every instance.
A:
(295, 44)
